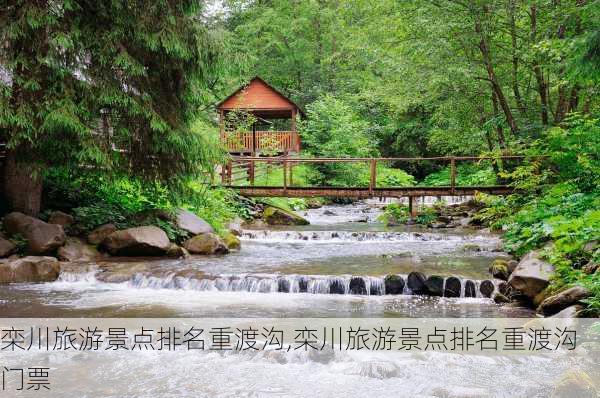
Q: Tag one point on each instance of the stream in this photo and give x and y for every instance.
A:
(334, 267)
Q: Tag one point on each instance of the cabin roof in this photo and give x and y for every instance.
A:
(260, 98)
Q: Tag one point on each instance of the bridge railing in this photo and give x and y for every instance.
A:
(365, 173)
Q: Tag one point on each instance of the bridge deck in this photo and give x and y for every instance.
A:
(396, 192)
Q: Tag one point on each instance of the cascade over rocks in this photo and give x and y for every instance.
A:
(42, 238)
(337, 287)
(486, 288)
(452, 287)
(139, 241)
(470, 289)
(29, 269)
(435, 285)
(358, 286)
(532, 275)
(188, 221)
(394, 284)
(208, 243)
(416, 282)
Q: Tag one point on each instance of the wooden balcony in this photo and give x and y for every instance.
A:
(261, 141)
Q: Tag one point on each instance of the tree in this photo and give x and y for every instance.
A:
(84, 75)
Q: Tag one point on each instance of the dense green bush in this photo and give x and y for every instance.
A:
(466, 175)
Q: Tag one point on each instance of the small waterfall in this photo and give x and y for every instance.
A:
(311, 284)
(358, 236)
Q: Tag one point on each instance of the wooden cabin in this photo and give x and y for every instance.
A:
(273, 127)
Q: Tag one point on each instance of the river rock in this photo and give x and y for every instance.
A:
(416, 282)
(486, 288)
(512, 265)
(532, 275)
(562, 300)
(569, 312)
(499, 269)
(188, 221)
(394, 284)
(471, 247)
(177, 251)
(232, 241)
(60, 218)
(435, 285)
(470, 289)
(575, 383)
(499, 298)
(283, 285)
(505, 289)
(99, 234)
(76, 249)
(336, 287)
(591, 246)
(139, 241)
(329, 213)
(303, 285)
(6, 247)
(42, 238)
(30, 269)
(591, 267)
(358, 286)
(437, 225)
(277, 216)
(208, 243)
(452, 287)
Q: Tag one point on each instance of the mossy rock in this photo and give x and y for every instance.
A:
(276, 216)
(575, 383)
(232, 241)
(499, 269)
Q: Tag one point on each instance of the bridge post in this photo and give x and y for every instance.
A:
(251, 172)
(284, 175)
(413, 207)
(452, 174)
(229, 171)
(373, 180)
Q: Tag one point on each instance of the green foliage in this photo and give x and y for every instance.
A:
(397, 213)
(466, 175)
(20, 243)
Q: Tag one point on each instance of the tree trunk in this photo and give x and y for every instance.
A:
(487, 61)
(22, 185)
(537, 70)
(515, 58)
(499, 129)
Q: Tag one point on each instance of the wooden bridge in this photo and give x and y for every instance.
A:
(242, 175)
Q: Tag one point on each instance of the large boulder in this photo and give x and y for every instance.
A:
(357, 286)
(99, 234)
(486, 288)
(191, 223)
(470, 289)
(207, 243)
(569, 312)
(277, 216)
(30, 269)
(562, 300)
(532, 275)
(139, 241)
(75, 249)
(42, 238)
(60, 218)
(6, 247)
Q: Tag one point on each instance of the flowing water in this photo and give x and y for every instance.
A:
(334, 267)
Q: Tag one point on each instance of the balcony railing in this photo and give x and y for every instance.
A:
(261, 141)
